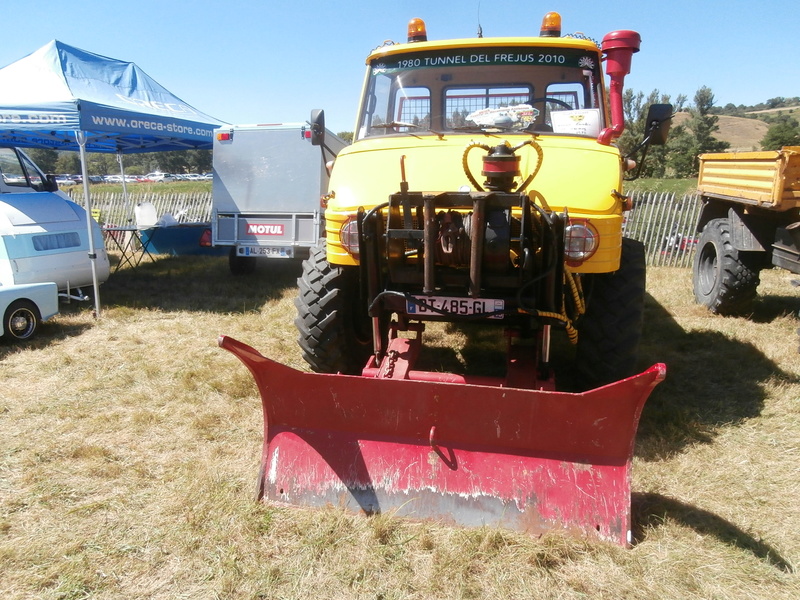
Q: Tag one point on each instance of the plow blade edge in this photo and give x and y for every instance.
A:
(527, 460)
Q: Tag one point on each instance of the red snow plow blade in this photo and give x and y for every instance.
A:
(527, 460)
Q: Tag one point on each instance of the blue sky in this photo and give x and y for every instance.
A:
(273, 61)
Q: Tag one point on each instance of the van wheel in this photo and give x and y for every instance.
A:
(335, 334)
(724, 279)
(21, 320)
(241, 265)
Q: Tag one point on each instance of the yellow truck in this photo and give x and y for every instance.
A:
(483, 186)
(750, 220)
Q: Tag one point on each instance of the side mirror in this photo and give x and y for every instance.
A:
(659, 120)
(317, 127)
(50, 184)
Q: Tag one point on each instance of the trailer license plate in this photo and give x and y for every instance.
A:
(270, 251)
(432, 305)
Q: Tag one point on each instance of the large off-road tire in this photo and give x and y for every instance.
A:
(334, 331)
(610, 330)
(724, 279)
(21, 320)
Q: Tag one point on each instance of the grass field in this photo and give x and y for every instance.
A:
(130, 446)
(171, 187)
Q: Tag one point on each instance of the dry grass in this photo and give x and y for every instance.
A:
(130, 445)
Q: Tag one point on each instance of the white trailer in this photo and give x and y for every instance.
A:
(268, 181)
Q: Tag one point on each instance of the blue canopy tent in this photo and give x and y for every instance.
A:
(65, 98)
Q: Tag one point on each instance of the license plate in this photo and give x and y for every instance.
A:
(433, 305)
(269, 251)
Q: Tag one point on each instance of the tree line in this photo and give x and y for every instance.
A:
(678, 158)
(695, 135)
(175, 161)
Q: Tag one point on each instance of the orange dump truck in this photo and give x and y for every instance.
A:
(750, 220)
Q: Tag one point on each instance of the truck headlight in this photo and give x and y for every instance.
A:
(348, 235)
(581, 241)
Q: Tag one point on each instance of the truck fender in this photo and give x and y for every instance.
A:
(711, 209)
(744, 233)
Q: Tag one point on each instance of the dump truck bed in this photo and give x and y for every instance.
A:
(768, 179)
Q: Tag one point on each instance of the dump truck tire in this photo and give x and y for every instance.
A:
(724, 279)
(610, 330)
(333, 334)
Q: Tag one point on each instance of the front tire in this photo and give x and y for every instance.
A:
(724, 279)
(334, 330)
(610, 330)
(21, 320)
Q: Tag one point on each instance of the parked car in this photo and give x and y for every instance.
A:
(160, 177)
(63, 180)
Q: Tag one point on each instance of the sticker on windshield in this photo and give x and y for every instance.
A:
(519, 114)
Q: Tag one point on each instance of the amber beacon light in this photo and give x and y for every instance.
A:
(551, 25)
(417, 31)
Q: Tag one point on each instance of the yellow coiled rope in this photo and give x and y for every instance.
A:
(574, 284)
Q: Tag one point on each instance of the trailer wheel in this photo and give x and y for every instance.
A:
(724, 279)
(334, 334)
(241, 265)
(21, 320)
(610, 330)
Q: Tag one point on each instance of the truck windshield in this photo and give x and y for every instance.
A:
(465, 90)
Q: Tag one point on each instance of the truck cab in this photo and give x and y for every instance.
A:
(426, 101)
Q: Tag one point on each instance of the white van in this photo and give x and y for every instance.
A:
(43, 234)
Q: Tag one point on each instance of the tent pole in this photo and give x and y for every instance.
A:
(80, 137)
(128, 214)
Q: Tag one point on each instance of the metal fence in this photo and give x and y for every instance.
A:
(666, 224)
(115, 209)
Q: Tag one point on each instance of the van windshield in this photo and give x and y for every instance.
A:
(18, 170)
(491, 88)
